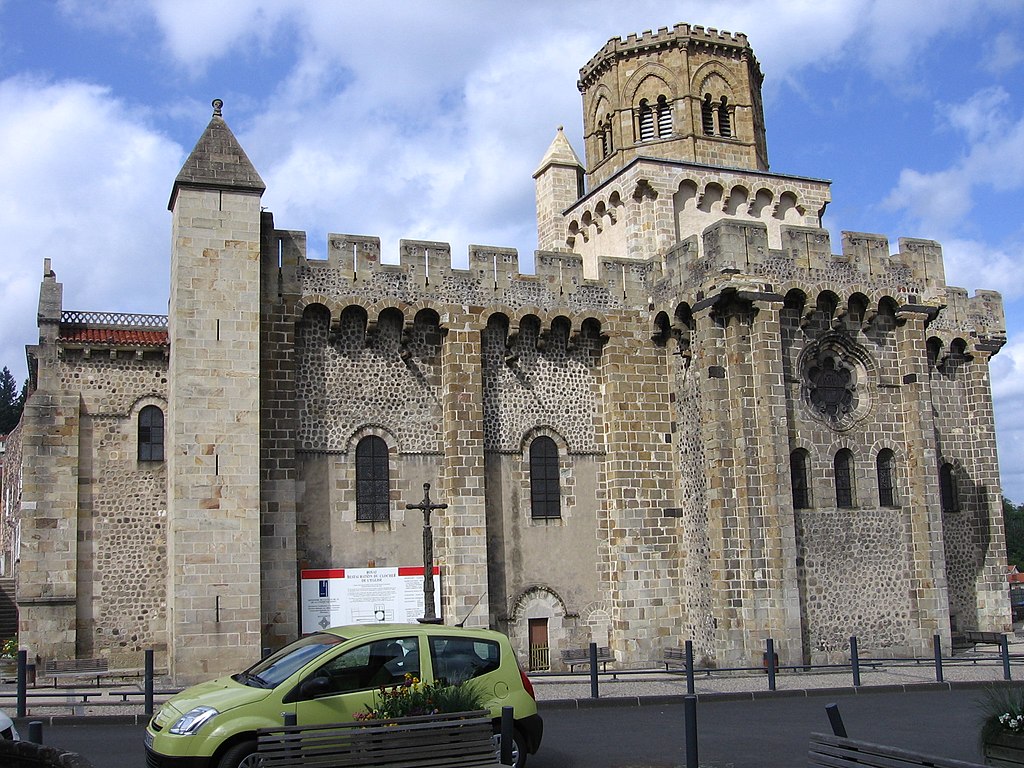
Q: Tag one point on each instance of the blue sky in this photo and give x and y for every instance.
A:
(426, 120)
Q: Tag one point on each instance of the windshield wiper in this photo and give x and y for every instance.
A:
(247, 677)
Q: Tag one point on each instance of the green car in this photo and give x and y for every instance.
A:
(333, 676)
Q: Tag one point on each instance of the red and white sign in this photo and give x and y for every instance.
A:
(335, 596)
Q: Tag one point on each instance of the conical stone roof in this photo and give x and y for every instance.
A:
(559, 153)
(218, 161)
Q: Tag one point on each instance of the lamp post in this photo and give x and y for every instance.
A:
(426, 506)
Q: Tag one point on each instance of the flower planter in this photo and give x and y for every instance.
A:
(1005, 749)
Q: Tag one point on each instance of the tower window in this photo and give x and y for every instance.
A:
(724, 122)
(647, 128)
(151, 434)
(373, 482)
(545, 493)
(885, 468)
(843, 467)
(948, 491)
(664, 118)
(798, 479)
(604, 131)
(707, 116)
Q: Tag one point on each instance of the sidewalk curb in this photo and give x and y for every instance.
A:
(677, 698)
(617, 701)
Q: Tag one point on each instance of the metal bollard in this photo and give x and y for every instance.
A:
(507, 714)
(35, 731)
(148, 681)
(1004, 651)
(689, 667)
(690, 715)
(769, 660)
(22, 683)
(855, 661)
(593, 671)
(836, 720)
(937, 643)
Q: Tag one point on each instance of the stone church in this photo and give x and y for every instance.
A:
(694, 421)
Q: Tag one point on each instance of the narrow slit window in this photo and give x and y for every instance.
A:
(843, 466)
(948, 490)
(545, 491)
(798, 480)
(885, 466)
(373, 481)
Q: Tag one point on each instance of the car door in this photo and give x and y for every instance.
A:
(350, 683)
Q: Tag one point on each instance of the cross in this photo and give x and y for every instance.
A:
(426, 506)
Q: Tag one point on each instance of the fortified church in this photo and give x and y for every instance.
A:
(695, 421)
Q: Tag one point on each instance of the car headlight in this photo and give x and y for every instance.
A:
(192, 721)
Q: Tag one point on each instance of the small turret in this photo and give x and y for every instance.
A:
(559, 184)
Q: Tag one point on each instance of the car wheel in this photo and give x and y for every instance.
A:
(518, 749)
(241, 755)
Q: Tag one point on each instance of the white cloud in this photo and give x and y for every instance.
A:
(992, 159)
(84, 183)
(1003, 54)
(974, 264)
(1007, 371)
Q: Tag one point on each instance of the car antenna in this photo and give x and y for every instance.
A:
(463, 622)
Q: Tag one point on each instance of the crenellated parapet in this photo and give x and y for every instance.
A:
(977, 321)
(734, 253)
(665, 38)
(424, 275)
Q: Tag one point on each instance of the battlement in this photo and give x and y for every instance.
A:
(425, 270)
(665, 37)
(914, 274)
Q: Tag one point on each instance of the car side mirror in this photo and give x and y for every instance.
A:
(315, 686)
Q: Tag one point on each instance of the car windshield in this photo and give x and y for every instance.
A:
(280, 665)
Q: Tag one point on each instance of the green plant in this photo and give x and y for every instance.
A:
(415, 697)
(1002, 711)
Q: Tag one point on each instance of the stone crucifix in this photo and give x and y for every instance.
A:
(426, 506)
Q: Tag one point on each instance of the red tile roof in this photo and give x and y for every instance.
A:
(115, 336)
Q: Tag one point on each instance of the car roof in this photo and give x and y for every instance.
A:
(359, 631)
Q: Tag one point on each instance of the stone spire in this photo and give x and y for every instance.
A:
(559, 153)
(218, 161)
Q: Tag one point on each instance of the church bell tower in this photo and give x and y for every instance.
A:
(686, 94)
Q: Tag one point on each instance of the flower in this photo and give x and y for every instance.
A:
(1002, 712)
(414, 697)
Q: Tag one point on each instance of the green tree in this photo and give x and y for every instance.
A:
(1013, 522)
(12, 402)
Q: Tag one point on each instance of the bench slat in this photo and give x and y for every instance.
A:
(837, 752)
(424, 742)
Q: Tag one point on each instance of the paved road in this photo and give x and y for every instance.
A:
(768, 733)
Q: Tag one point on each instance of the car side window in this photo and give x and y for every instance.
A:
(374, 665)
(457, 659)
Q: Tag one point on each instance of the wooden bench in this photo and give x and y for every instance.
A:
(837, 752)
(580, 657)
(73, 668)
(463, 740)
(974, 637)
(674, 657)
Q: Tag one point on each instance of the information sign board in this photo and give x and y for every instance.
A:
(335, 596)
